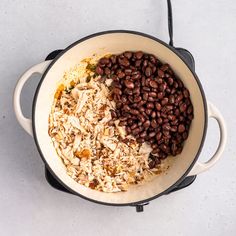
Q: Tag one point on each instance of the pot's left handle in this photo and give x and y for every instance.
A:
(26, 123)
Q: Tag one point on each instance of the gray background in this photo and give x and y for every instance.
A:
(31, 29)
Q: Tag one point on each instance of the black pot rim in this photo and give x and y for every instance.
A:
(111, 32)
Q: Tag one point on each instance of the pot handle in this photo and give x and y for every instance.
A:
(199, 167)
(26, 123)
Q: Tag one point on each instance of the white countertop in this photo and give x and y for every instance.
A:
(29, 31)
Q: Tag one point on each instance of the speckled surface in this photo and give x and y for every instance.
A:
(29, 31)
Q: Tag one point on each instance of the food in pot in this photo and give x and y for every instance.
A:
(96, 153)
(113, 122)
(151, 103)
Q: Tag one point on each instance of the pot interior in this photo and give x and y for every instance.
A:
(117, 42)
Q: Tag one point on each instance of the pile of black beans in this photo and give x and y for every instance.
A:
(152, 104)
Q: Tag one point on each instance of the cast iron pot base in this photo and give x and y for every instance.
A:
(139, 207)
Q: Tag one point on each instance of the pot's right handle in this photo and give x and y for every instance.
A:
(25, 122)
(199, 167)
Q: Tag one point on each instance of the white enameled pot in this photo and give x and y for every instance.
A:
(115, 42)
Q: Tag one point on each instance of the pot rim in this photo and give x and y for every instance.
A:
(139, 34)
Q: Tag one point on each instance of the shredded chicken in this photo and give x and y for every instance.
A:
(94, 153)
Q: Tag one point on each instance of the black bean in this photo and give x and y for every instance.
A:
(152, 59)
(160, 73)
(99, 70)
(170, 80)
(134, 112)
(175, 85)
(150, 105)
(104, 61)
(148, 111)
(136, 131)
(151, 99)
(171, 99)
(160, 95)
(146, 89)
(123, 118)
(145, 63)
(145, 96)
(143, 81)
(113, 59)
(164, 147)
(190, 117)
(129, 84)
(107, 71)
(183, 107)
(165, 67)
(143, 134)
(190, 110)
(152, 164)
(123, 123)
(171, 117)
(166, 126)
(153, 114)
(130, 121)
(138, 63)
(128, 130)
(173, 129)
(169, 108)
(136, 91)
(128, 71)
(141, 109)
(148, 71)
(113, 114)
(181, 128)
(154, 124)
(121, 74)
(180, 83)
(126, 108)
(147, 82)
(185, 135)
(137, 98)
(151, 134)
(154, 146)
(164, 101)
(124, 99)
(186, 93)
(159, 80)
(158, 106)
(134, 126)
(173, 91)
(123, 61)
(147, 123)
(152, 94)
(177, 112)
(166, 133)
(128, 54)
(181, 118)
(128, 91)
(159, 120)
(140, 140)
(136, 75)
(117, 91)
(153, 84)
(138, 54)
